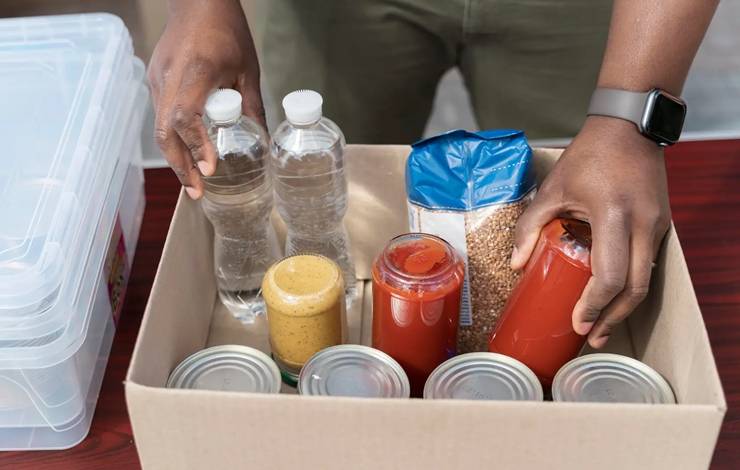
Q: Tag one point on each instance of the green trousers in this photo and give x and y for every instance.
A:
(527, 64)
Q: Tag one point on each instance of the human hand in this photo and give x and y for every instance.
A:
(614, 178)
(206, 45)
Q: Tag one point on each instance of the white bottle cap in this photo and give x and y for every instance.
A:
(302, 107)
(223, 105)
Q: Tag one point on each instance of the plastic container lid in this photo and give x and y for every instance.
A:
(224, 105)
(64, 80)
(302, 107)
(57, 333)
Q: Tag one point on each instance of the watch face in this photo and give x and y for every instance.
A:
(666, 120)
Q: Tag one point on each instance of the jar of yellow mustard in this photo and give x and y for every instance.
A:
(304, 295)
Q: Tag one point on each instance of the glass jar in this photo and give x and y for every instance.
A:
(304, 295)
(417, 282)
(536, 326)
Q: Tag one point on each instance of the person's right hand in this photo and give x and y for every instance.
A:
(206, 45)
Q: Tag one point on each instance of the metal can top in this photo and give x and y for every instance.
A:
(230, 367)
(483, 376)
(610, 378)
(352, 370)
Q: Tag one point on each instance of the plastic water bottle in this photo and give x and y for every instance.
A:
(238, 202)
(310, 183)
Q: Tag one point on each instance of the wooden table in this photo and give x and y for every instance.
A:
(704, 182)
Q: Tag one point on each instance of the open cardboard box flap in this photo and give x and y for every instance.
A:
(204, 429)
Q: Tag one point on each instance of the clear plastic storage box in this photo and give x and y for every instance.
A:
(71, 202)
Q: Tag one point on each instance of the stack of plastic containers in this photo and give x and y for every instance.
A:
(71, 202)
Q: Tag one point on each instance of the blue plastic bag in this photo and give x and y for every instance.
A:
(470, 188)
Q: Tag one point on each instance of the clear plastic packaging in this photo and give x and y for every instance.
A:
(470, 189)
(238, 202)
(310, 183)
(71, 193)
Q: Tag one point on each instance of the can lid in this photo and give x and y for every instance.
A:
(230, 367)
(483, 376)
(352, 370)
(610, 378)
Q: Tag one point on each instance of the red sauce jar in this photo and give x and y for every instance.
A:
(536, 324)
(417, 282)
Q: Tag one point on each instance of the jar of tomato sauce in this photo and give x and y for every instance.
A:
(536, 326)
(417, 282)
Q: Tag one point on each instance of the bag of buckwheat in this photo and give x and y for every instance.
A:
(470, 188)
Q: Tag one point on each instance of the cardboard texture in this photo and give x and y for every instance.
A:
(183, 429)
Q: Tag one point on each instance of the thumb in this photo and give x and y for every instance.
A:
(528, 227)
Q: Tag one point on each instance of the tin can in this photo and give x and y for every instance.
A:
(305, 300)
(483, 376)
(351, 370)
(230, 367)
(610, 378)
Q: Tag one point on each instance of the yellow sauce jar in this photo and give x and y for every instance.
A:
(304, 295)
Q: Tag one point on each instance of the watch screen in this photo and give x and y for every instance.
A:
(667, 119)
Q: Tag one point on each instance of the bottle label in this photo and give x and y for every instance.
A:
(116, 271)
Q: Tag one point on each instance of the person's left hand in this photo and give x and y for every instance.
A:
(614, 178)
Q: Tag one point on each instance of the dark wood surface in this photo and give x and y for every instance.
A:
(704, 180)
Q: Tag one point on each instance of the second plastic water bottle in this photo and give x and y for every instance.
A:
(238, 202)
(310, 183)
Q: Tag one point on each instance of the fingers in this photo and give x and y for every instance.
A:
(609, 267)
(187, 121)
(538, 214)
(635, 289)
(252, 106)
(179, 129)
(187, 115)
(178, 157)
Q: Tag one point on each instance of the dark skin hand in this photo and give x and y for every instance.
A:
(613, 177)
(610, 176)
(206, 45)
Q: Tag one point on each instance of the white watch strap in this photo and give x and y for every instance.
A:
(623, 104)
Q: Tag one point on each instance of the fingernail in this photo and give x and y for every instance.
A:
(583, 328)
(192, 192)
(204, 168)
(599, 342)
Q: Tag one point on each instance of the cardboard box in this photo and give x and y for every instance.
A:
(196, 429)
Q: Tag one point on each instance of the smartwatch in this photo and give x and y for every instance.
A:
(657, 114)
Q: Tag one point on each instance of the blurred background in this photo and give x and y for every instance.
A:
(712, 89)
